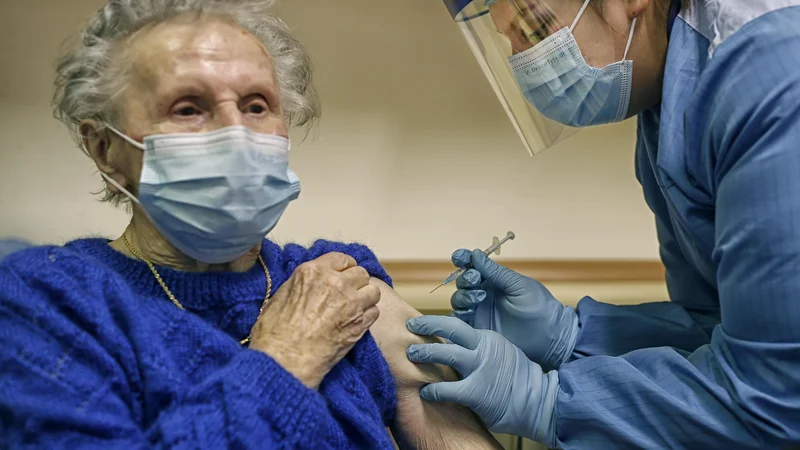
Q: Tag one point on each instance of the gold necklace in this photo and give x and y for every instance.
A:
(175, 300)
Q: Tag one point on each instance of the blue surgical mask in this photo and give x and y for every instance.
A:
(559, 83)
(214, 195)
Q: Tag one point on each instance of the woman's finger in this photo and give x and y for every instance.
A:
(337, 261)
(371, 316)
(357, 276)
(368, 296)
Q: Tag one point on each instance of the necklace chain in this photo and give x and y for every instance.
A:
(175, 300)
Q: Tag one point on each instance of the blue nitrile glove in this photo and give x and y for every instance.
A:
(492, 297)
(509, 392)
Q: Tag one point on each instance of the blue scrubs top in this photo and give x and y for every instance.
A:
(719, 163)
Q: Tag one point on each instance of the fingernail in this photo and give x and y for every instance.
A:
(481, 296)
(411, 351)
(411, 324)
(460, 254)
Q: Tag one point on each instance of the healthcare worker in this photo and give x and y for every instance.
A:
(716, 88)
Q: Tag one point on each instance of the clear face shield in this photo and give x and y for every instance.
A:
(499, 29)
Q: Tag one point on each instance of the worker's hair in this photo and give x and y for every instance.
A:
(91, 75)
(664, 5)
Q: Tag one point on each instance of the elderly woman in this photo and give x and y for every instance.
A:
(190, 330)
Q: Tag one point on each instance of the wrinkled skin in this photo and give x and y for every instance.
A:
(317, 316)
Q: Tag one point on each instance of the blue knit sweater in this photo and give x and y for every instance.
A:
(94, 354)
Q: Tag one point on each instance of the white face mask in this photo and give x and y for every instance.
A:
(559, 83)
(214, 195)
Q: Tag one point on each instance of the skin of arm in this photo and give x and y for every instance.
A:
(419, 424)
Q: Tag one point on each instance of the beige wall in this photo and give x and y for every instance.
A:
(414, 155)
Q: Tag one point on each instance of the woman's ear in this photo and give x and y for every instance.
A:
(96, 143)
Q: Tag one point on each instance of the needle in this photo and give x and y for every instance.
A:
(494, 248)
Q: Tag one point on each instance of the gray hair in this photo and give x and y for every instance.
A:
(87, 78)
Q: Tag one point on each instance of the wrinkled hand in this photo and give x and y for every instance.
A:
(317, 316)
(509, 392)
(493, 297)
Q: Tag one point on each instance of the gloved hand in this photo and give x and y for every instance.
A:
(509, 392)
(492, 297)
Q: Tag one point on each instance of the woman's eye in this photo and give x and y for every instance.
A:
(256, 108)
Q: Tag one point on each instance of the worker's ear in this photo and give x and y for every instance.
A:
(97, 143)
(635, 8)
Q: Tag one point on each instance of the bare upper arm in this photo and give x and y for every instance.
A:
(393, 338)
(420, 424)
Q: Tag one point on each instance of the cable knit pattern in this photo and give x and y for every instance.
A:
(95, 355)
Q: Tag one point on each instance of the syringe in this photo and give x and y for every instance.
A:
(494, 248)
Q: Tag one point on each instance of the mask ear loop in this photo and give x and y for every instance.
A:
(630, 39)
(113, 182)
(130, 140)
(580, 13)
(119, 186)
(630, 35)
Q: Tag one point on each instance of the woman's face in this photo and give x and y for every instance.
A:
(192, 76)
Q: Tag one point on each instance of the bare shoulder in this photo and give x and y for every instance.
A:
(393, 338)
(420, 424)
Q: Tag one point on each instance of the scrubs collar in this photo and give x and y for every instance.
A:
(674, 9)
